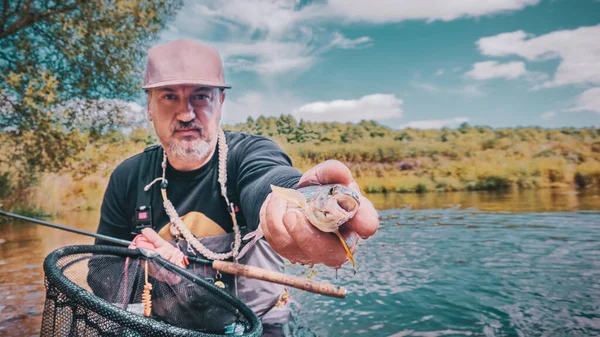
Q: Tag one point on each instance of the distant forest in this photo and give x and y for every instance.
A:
(465, 158)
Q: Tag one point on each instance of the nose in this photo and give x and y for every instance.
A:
(186, 112)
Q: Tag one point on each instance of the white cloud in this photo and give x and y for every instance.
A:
(375, 106)
(262, 36)
(492, 69)
(578, 51)
(278, 36)
(439, 72)
(265, 57)
(382, 11)
(435, 123)
(424, 86)
(276, 17)
(589, 100)
(256, 103)
(268, 37)
(548, 115)
(339, 40)
(279, 16)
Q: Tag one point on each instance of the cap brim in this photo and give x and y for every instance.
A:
(203, 83)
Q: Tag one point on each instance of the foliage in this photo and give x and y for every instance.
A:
(466, 158)
(382, 160)
(62, 66)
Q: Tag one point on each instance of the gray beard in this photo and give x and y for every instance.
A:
(197, 149)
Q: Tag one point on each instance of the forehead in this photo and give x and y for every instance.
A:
(183, 88)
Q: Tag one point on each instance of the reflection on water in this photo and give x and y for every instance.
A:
(22, 254)
(432, 272)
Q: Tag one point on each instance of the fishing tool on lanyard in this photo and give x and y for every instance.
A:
(179, 229)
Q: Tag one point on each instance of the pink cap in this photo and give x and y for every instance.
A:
(184, 61)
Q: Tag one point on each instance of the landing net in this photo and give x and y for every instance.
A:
(99, 290)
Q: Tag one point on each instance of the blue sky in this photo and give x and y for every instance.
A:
(420, 63)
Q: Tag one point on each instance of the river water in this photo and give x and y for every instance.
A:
(442, 264)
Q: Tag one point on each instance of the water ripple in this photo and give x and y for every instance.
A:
(458, 272)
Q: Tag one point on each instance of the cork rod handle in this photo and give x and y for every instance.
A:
(322, 288)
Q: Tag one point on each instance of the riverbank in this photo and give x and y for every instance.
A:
(58, 194)
(382, 160)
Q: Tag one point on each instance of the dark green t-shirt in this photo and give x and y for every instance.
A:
(253, 164)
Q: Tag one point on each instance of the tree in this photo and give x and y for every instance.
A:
(286, 125)
(303, 133)
(61, 60)
(352, 134)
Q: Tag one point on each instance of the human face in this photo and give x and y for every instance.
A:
(186, 120)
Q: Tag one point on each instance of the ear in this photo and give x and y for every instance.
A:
(222, 98)
(149, 106)
(149, 112)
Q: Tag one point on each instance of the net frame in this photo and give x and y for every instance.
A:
(146, 326)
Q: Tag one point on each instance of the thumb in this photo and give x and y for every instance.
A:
(153, 238)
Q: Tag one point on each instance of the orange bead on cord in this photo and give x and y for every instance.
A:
(146, 297)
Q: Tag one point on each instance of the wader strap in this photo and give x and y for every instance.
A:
(144, 215)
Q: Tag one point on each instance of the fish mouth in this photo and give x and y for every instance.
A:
(347, 203)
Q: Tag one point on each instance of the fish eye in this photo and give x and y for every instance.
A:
(331, 190)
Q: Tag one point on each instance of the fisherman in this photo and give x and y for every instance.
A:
(216, 185)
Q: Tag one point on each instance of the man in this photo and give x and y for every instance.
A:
(216, 184)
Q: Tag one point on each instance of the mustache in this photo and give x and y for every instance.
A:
(184, 126)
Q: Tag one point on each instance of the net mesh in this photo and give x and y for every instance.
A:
(97, 291)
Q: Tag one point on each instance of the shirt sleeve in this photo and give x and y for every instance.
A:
(114, 220)
(262, 163)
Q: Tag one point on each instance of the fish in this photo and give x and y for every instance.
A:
(326, 207)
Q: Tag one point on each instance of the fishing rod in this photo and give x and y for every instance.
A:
(318, 287)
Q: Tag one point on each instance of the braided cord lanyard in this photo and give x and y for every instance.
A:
(178, 228)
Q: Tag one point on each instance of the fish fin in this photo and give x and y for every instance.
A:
(290, 195)
(255, 236)
(346, 248)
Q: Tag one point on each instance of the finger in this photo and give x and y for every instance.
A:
(287, 251)
(145, 245)
(142, 242)
(177, 258)
(136, 241)
(366, 220)
(165, 253)
(154, 238)
(276, 233)
(327, 172)
(353, 185)
(274, 208)
(318, 246)
(292, 251)
(263, 218)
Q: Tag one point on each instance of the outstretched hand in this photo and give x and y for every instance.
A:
(290, 234)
